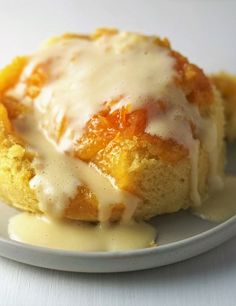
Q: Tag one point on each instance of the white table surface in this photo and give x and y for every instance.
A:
(206, 32)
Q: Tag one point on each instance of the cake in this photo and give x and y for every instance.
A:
(226, 84)
(107, 126)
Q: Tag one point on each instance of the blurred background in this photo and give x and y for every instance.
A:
(205, 31)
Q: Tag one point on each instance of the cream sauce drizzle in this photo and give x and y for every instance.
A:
(174, 124)
(59, 175)
(221, 205)
(77, 236)
(210, 140)
(70, 235)
(85, 74)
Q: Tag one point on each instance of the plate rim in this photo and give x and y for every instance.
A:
(124, 254)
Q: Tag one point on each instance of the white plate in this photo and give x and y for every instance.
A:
(181, 236)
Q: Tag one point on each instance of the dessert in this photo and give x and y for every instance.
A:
(106, 127)
(226, 84)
